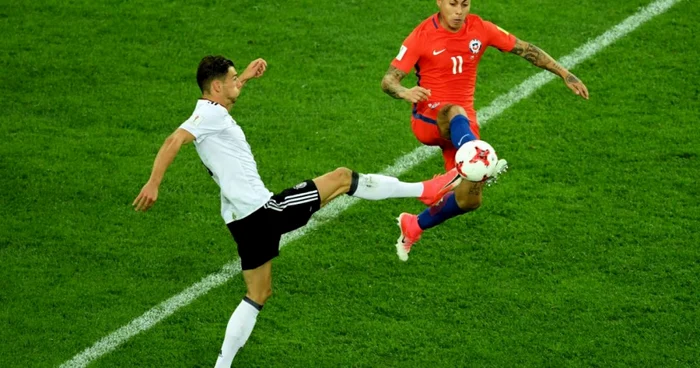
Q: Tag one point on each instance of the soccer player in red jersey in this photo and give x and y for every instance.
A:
(445, 50)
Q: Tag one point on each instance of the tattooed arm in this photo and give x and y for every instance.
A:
(539, 58)
(391, 85)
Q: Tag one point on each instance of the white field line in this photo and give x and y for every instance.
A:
(335, 208)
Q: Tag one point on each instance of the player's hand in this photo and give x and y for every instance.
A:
(255, 69)
(145, 199)
(415, 94)
(576, 85)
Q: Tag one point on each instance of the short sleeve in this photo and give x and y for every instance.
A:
(499, 37)
(409, 53)
(201, 127)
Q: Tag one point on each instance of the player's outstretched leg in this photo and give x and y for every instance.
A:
(436, 188)
(465, 198)
(454, 125)
(259, 284)
(377, 187)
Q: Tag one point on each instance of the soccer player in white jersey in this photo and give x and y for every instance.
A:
(256, 217)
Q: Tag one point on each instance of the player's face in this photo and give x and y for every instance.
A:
(453, 13)
(231, 86)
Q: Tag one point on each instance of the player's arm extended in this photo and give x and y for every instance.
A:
(539, 58)
(165, 156)
(255, 69)
(391, 85)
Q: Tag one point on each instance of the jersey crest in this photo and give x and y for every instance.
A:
(475, 46)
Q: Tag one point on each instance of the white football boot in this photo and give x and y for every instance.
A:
(501, 167)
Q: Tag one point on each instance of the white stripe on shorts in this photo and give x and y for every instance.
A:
(300, 195)
(292, 200)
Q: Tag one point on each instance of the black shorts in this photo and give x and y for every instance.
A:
(258, 234)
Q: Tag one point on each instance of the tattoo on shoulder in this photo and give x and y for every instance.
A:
(528, 51)
(519, 47)
(394, 72)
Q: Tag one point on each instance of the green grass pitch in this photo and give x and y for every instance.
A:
(585, 254)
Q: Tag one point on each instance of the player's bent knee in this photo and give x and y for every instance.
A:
(343, 173)
(450, 111)
(454, 110)
(342, 176)
(445, 117)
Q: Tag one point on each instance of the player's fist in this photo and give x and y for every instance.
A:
(255, 69)
(576, 85)
(147, 197)
(415, 94)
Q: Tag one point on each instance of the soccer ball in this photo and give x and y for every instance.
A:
(476, 160)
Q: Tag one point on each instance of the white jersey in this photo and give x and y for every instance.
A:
(223, 149)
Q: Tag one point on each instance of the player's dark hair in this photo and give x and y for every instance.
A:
(212, 67)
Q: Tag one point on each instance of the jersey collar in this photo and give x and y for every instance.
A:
(211, 103)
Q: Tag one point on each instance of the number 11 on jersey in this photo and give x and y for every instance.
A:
(457, 66)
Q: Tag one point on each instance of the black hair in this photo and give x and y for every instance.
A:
(212, 67)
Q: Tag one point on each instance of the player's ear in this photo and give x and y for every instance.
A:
(216, 86)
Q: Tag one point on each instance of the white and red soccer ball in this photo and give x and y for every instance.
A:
(476, 160)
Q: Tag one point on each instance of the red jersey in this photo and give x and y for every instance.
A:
(446, 62)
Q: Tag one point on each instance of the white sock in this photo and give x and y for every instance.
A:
(375, 187)
(240, 325)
